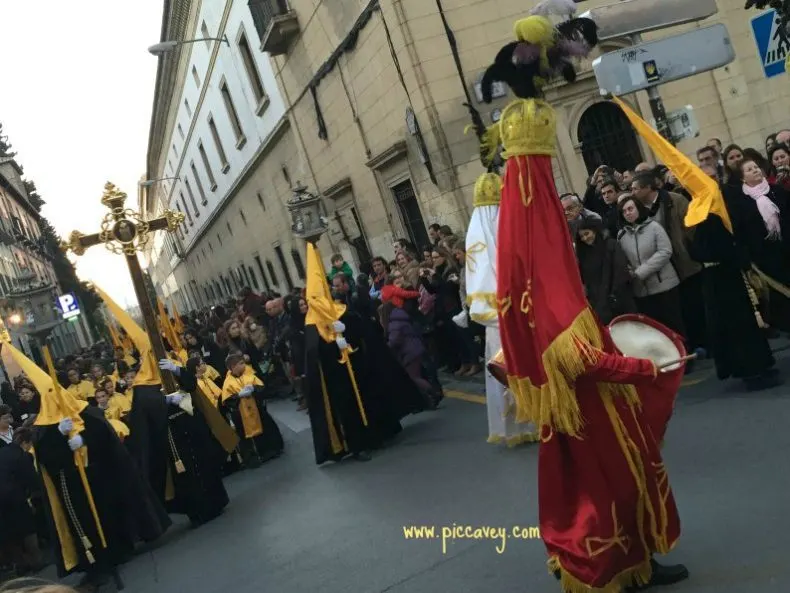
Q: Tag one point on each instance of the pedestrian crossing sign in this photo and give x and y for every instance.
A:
(773, 46)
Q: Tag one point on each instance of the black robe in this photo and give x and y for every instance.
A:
(740, 347)
(18, 483)
(160, 436)
(127, 508)
(199, 491)
(386, 391)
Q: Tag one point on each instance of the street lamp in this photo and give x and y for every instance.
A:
(308, 218)
(150, 182)
(164, 47)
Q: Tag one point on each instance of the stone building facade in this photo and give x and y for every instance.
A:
(374, 117)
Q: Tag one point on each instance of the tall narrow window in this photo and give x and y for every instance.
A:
(170, 166)
(253, 278)
(202, 193)
(232, 114)
(260, 201)
(189, 109)
(284, 265)
(219, 240)
(223, 159)
(175, 150)
(210, 247)
(192, 198)
(297, 257)
(182, 228)
(252, 73)
(230, 229)
(186, 208)
(196, 76)
(181, 131)
(206, 34)
(263, 274)
(243, 218)
(270, 267)
(209, 173)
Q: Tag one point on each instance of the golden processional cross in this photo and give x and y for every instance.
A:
(125, 233)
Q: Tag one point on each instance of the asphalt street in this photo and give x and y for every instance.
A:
(293, 527)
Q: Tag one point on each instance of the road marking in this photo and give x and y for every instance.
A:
(480, 399)
(467, 397)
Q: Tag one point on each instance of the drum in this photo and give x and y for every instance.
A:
(639, 336)
(496, 366)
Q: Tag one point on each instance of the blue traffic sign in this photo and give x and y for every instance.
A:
(69, 305)
(772, 47)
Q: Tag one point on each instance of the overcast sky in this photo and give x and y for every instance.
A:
(75, 101)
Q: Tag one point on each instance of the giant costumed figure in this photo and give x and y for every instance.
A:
(481, 246)
(605, 503)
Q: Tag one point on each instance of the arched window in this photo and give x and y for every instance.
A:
(607, 138)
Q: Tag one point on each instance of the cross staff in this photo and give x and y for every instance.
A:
(125, 233)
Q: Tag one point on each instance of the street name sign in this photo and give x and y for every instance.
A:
(657, 62)
(631, 17)
(772, 47)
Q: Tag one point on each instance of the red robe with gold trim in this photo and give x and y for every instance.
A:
(604, 496)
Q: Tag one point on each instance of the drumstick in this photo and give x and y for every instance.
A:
(678, 361)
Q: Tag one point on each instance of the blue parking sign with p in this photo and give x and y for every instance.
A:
(69, 305)
(773, 46)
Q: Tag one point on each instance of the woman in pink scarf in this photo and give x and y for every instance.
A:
(760, 214)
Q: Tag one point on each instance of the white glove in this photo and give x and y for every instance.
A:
(174, 398)
(341, 343)
(462, 319)
(76, 443)
(168, 365)
(339, 327)
(65, 426)
(247, 391)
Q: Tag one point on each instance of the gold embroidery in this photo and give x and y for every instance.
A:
(526, 304)
(471, 251)
(526, 196)
(607, 543)
(504, 305)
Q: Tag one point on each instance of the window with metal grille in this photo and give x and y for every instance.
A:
(270, 267)
(186, 209)
(209, 173)
(409, 208)
(263, 274)
(297, 257)
(233, 115)
(251, 68)
(284, 265)
(263, 11)
(607, 138)
(192, 198)
(253, 278)
(223, 158)
(203, 199)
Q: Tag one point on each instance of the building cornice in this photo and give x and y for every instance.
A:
(396, 151)
(175, 19)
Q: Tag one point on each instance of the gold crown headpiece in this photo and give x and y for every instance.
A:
(488, 190)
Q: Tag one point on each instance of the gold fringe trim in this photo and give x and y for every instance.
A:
(635, 576)
(553, 404)
(773, 284)
(515, 441)
(490, 143)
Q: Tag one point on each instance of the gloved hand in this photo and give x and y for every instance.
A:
(76, 443)
(247, 391)
(339, 327)
(174, 398)
(462, 319)
(65, 426)
(168, 365)
(342, 344)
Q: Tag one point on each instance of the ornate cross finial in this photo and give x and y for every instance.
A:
(113, 197)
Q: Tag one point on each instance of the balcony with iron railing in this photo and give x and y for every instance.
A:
(276, 24)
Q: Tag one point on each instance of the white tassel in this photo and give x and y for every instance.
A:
(554, 7)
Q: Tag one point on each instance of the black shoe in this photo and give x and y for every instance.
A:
(362, 456)
(762, 382)
(663, 576)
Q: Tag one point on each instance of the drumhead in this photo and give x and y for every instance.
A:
(640, 340)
